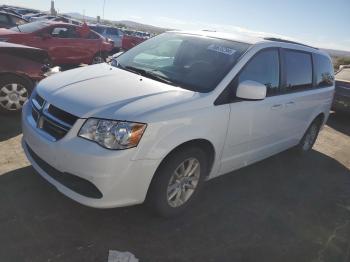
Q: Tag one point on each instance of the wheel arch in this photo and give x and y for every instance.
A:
(203, 144)
(322, 117)
(22, 76)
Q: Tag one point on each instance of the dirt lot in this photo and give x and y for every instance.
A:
(285, 208)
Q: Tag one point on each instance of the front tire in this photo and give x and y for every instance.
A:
(178, 181)
(14, 91)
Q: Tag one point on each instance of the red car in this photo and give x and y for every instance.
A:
(129, 41)
(66, 44)
(20, 68)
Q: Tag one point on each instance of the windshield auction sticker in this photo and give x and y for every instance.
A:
(222, 49)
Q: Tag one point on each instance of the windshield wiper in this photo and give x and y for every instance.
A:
(150, 74)
(18, 28)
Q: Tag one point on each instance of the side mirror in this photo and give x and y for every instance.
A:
(113, 59)
(251, 90)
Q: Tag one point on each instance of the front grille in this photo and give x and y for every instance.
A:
(73, 182)
(35, 115)
(60, 114)
(51, 119)
(54, 130)
(40, 100)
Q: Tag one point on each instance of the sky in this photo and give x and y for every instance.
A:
(321, 23)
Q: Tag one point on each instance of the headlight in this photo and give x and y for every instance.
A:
(112, 134)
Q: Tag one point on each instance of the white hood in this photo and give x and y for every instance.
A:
(107, 92)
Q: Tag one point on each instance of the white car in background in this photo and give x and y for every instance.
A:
(176, 110)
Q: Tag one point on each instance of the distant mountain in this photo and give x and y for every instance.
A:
(337, 53)
(142, 27)
(129, 24)
(80, 16)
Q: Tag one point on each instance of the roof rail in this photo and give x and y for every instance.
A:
(287, 41)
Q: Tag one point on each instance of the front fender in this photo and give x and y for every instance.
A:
(162, 137)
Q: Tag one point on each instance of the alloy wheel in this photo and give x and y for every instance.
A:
(183, 182)
(13, 96)
(97, 60)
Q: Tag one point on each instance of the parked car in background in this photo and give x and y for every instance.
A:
(8, 20)
(131, 39)
(144, 35)
(29, 16)
(66, 44)
(173, 112)
(112, 33)
(11, 11)
(341, 100)
(58, 18)
(66, 20)
(41, 18)
(19, 10)
(21, 67)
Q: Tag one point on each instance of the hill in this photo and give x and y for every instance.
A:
(122, 23)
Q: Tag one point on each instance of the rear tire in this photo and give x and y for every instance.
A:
(172, 191)
(306, 143)
(14, 91)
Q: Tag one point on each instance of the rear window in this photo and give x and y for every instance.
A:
(298, 70)
(324, 71)
(30, 27)
(3, 18)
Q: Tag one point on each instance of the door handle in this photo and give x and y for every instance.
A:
(277, 106)
(291, 103)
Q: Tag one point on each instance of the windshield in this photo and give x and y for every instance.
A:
(192, 62)
(343, 75)
(30, 27)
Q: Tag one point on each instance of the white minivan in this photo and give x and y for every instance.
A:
(173, 112)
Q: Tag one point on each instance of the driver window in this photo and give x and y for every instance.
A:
(64, 32)
(263, 68)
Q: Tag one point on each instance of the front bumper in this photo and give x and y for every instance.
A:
(121, 180)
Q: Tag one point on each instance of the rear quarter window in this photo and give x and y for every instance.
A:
(324, 71)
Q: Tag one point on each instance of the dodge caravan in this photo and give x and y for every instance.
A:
(173, 112)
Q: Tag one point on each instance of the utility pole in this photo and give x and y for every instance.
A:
(103, 10)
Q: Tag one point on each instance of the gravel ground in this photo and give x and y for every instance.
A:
(285, 208)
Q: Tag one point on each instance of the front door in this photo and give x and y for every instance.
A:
(256, 128)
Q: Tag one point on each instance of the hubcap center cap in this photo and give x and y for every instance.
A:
(14, 97)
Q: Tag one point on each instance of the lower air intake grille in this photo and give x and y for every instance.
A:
(73, 182)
